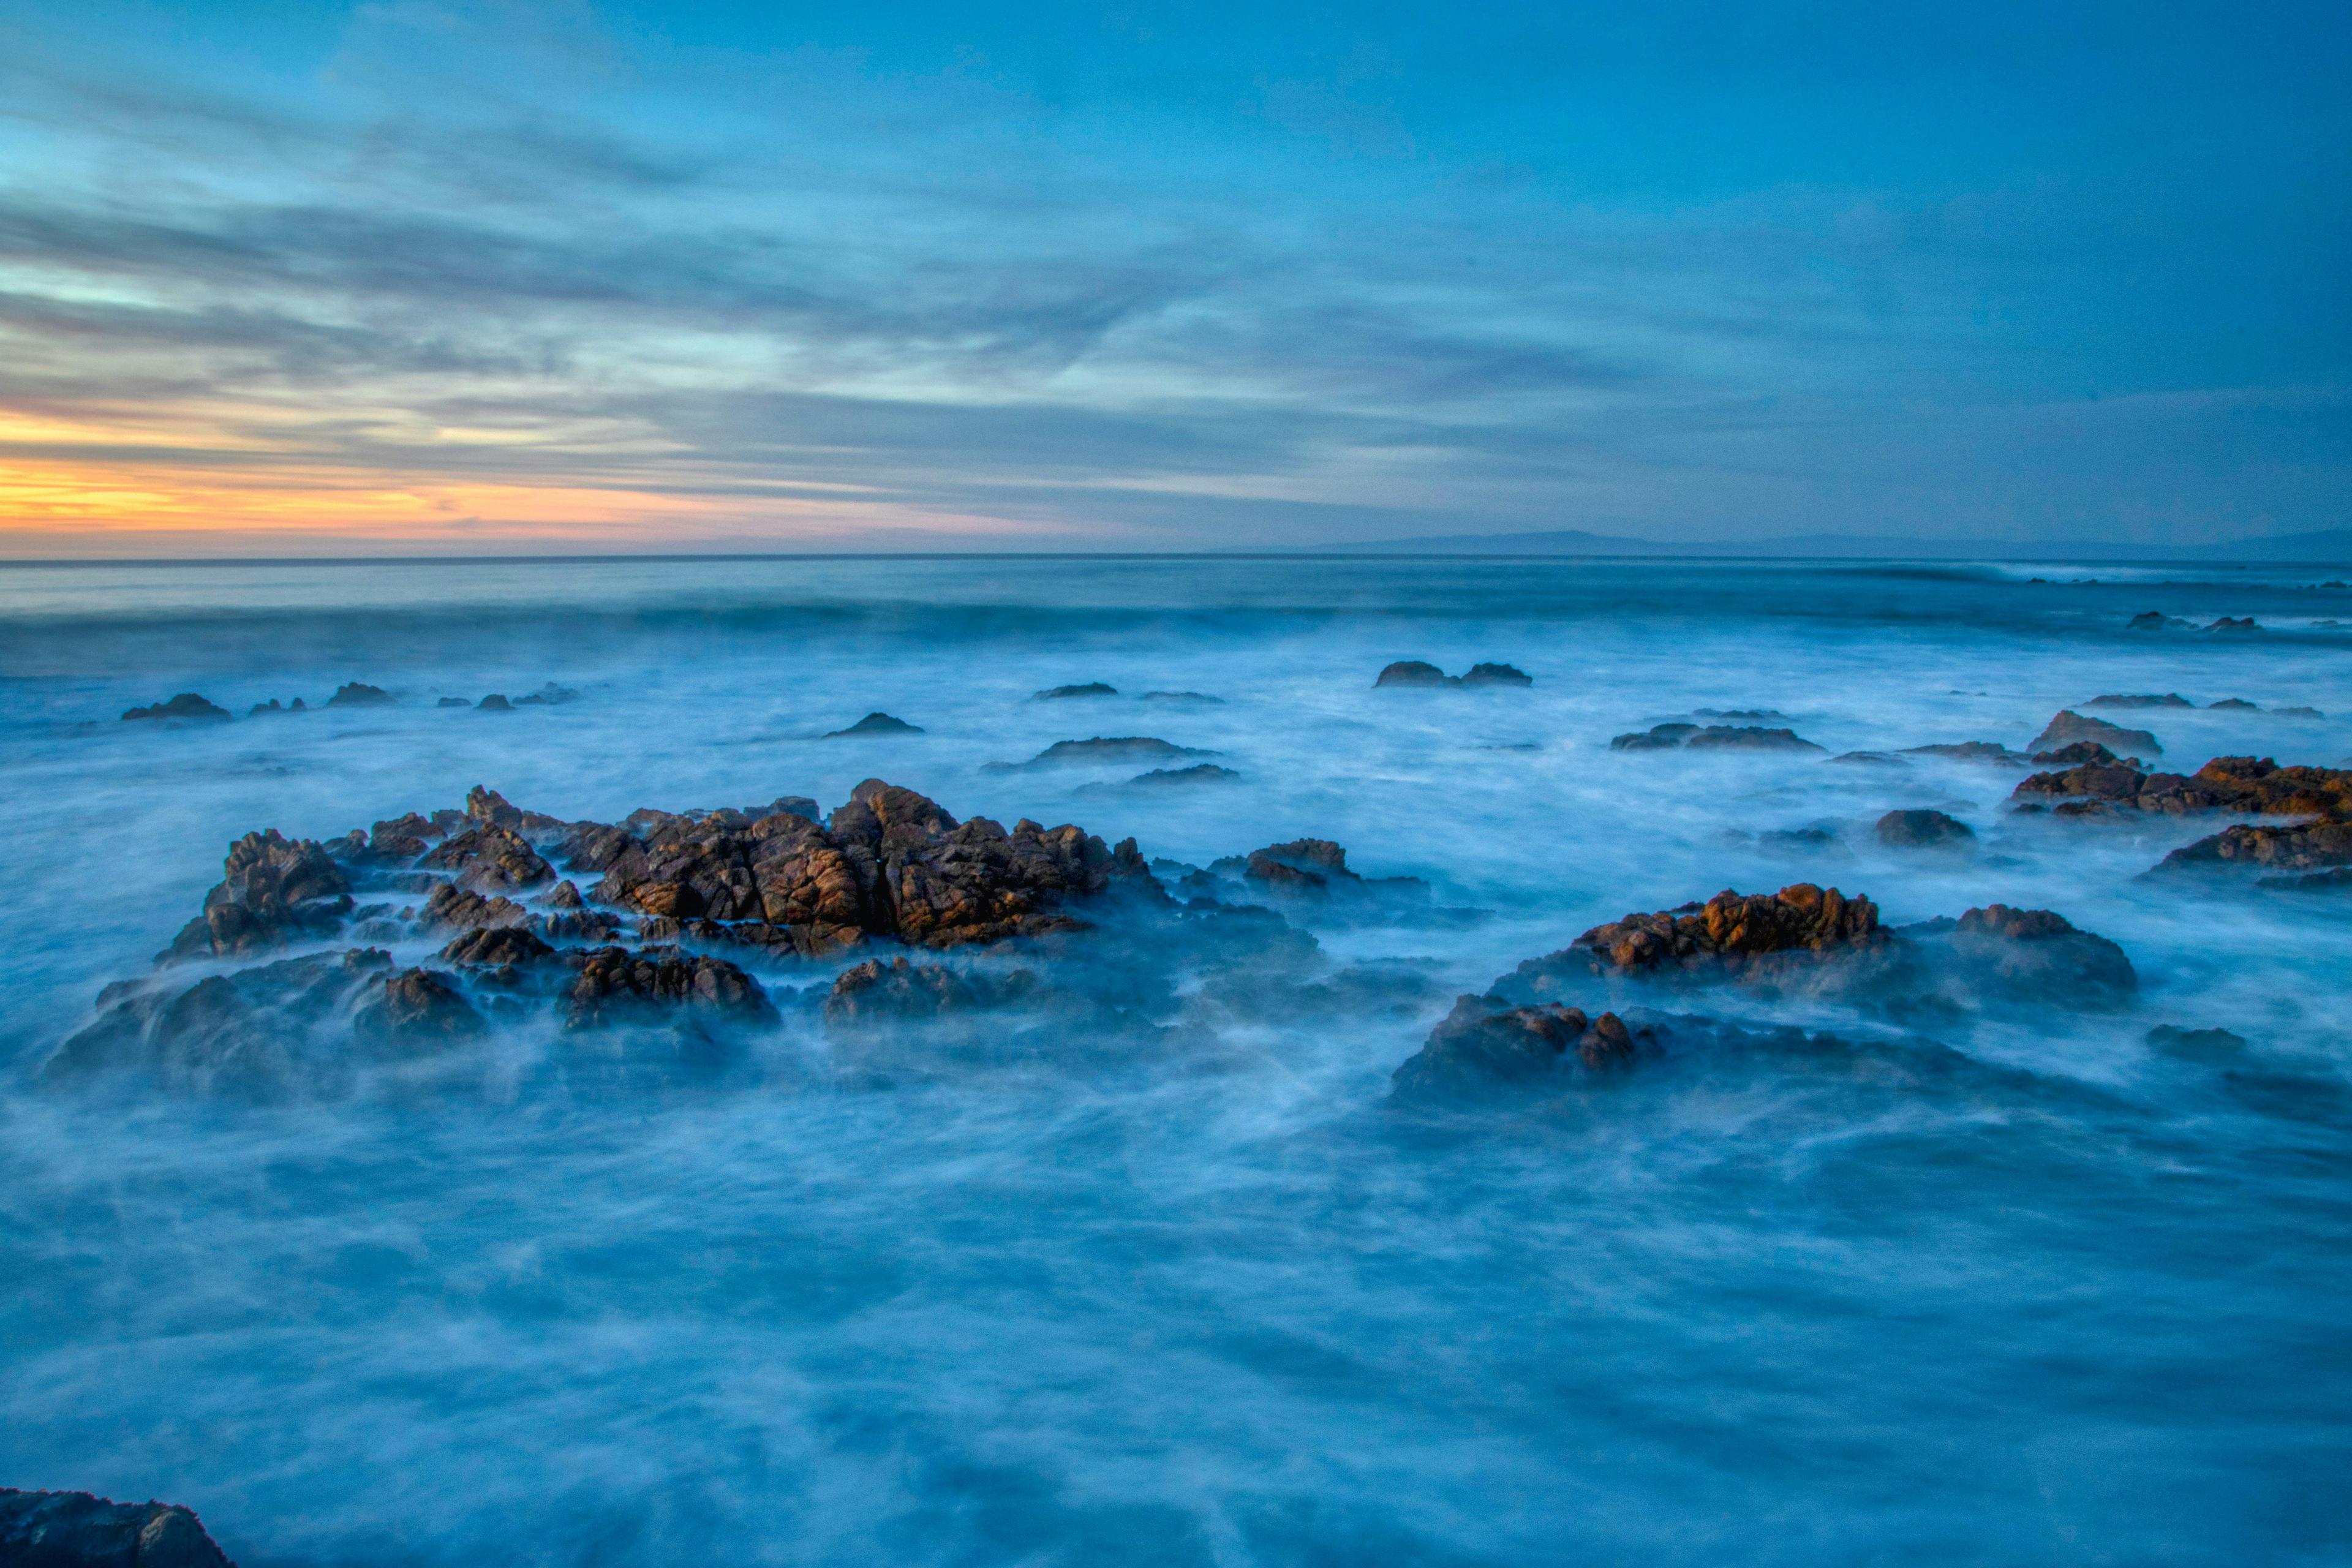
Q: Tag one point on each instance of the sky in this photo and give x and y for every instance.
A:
(296, 278)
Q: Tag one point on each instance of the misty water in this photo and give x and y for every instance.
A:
(2013, 1288)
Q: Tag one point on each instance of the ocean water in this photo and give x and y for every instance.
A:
(2014, 1289)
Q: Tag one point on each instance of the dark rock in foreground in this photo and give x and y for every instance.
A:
(2070, 726)
(1089, 689)
(1921, 829)
(1479, 1047)
(186, 705)
(74, 1530)
(875, 990)
(613, 985)
(877, 723)
(272, 891)
(2256, 786)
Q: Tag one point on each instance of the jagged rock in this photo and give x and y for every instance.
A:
(595, 846)
(404, 838)
(1731, 929)
(75, 1530)
(877, 723)
(1410, 672)
(566, 896)
(358, 694)
(875, 990)
(1480, 1046)
(496, 947)
(1496, 674)
(250, 1032)
(1089, 689)
(451, 907)
(272, 891)
(186, 705)
(1970, 752)
(613, 985)
(1922, 829)
(1316, 868)
(2070, 726)
(495, 702)
(488, 859)
(260, 709)
(2164, 699)
(2084, 753)
(1101, 749)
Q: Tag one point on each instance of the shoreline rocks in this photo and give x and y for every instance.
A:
(77, 1529)
(186, 705)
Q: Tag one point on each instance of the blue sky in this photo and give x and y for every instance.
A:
(653, 275)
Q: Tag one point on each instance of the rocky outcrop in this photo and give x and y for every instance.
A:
(75, 1530)
(2069, 726)
(421, 1008)
(273, 891)
(495, 947)
(876, 723)
(1086, 689)
(1317, 868)
(1101, 749)
(1732, 929)
(1922, 829)
(1713, 737)
(186, 705)
(1970, 752)
(2255, 786)
(612, 985)
(2235, 624)
(257, 1032)
(488, 859)
(1420, 672)
(451, 907)
(359, 694)
(2303, 846)
(2161, 700)
(1481, 1046)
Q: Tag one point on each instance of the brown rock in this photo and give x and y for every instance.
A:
(1480, 1046)
(273, 891)
(75, 1530)
(1732, 927)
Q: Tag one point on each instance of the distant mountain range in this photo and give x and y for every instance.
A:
(2325, 546)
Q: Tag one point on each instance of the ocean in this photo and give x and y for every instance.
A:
(1171, 1277)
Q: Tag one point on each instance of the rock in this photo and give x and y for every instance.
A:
(419, 1007)
(1090, 688)
(1871, 758)
(1730, 929)
(899, 990)
(2238, 703)
(2242, 624)
(2167, 699)
(1657, 737)
(404, 838)
(2070, 726)
(613, 985)
(1418, 672)
(1750, 738)
(1970, 752)
(260, 709)
(452, 702)
(2298, 712)
(1189, 699)
(2082, 754)
(490, 859)
(1410, 672)
(548, 696)
(877, 723)
(496, 947)
(1480, 1046)
(2307, 847)
(495, 702)
(186, 705)
(1169, 778)
(1739, 713)
(1921, 829)
(451, 907)
(2195, 1045)
(2335, 880)
(358, 694)
(2255, 785)
(1317, 868)
(566, 896)
(1100, 750)
(1496, 674)
(74, 1530)
(272, 891)
(2038, 953)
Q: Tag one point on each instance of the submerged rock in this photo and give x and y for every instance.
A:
(421, 1008)
(452, 702)
(1480, 1046)
(1970, 752)
(1922, 829)
(875, 990)
(876, 723)
(1410, 672)
(1191, 699)
(359, 694)
(2164, 699)
(186, 705)
(2239, 624)
(1420, 672)
(1088, 689)
(2237, 704)
(1713, 737)
(2070, 726)
(2195, 1045)
(75, 1530)
(1101, 749)
(495, 702)
(613, 985)
(1169, 778)
(256, 1032)
(2156, 621)
(258, 709)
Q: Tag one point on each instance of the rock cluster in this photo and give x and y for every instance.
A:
(75, 1530)
(1731, 929)
(1480, 1046)
(186, 705)
(2255, 786)
(1420, 672)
